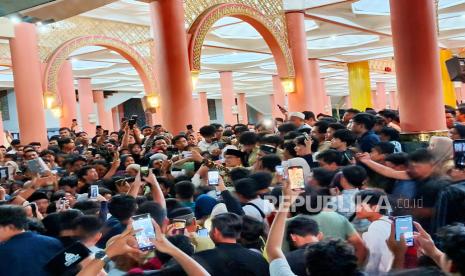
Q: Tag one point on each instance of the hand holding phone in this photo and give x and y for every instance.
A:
(179, 225)
(145, 232)
(94, 191)
(296, 177)
(213, 178)
(404, 226)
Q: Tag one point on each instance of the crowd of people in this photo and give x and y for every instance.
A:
(225, 200)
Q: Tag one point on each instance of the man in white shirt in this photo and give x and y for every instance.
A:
(208, 134)
(373, 205)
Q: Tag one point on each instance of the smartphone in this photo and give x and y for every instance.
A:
(144, 171)
(279, 170)
(146, 233)
(106, 132)
(404, 225)
(4, 173)
(202, 232)
(93, 191)
(213, 178)
(459, 153)
(37, 166)
(296, 177)
(179, 226)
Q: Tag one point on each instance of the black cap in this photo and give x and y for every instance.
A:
(234, 152)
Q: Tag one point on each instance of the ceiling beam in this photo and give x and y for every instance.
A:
(348, 26)
(225, 25)
(236, 49)
(331, 4)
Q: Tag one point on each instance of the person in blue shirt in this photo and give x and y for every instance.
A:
(363, 127)
(23, 252)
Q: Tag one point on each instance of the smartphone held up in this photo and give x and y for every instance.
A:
(145, 232)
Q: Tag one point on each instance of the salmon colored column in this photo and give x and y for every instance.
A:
(277, 98)
(28, 84)
(227, 97)
(347, 102)
(380, 96)
(172, 63)
(242, 107)
(317, 104)
(327, 105)
(418, 71)
(120, 108)
(86, 105)
(67, 94)
(115, 118)
(203, 103)
(2, 131)
(301, 99)
(393, 102)
(104, 118)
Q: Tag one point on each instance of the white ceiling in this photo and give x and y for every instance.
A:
(337, 32)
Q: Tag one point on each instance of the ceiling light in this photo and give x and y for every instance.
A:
(73, 59)
(15, 19)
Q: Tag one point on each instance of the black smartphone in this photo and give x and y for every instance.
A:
(146, 233)
(459, 154)
(404, 225)
(296, 177)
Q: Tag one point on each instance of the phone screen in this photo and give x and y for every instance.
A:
(186, 154)
(202, 232)
(93, 191)
(279, 170)
(404, 225)
(213, 178)
(147, 233)
(459, 154)
(296, 177)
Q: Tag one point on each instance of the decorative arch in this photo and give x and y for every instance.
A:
(59, 56)
(277, 42)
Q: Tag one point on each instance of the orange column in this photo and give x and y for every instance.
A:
(460, 92)
(347, 102)
(172, 63)
(86, 105)
(104, 118)
(115, 118)
(28, 84)
(203, 103)
(277, 98)
(242, 107)
(67, 94)
(301, 99)
(393, 103)
(317, 103)
(328, 109)
(374, 99)
(2, 131)
(418, 73)
(227, 97)
(380, 96)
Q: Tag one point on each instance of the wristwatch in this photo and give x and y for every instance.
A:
(102, 255)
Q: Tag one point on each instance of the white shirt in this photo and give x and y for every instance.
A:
(380, 257)
(264, 205)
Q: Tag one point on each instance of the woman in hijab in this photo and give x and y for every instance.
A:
(442, 150)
